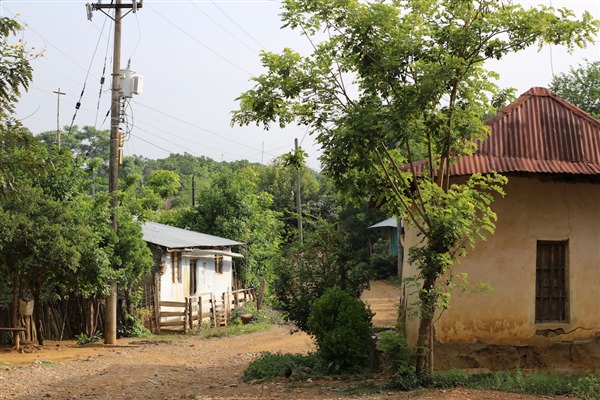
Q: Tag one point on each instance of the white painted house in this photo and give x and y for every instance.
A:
(188, 263)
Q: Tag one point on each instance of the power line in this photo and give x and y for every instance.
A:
(238, 25)
(223, 28)
(197, 41)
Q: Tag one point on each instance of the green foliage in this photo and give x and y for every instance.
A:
(164, 183)
(133, 328)
(270, 365)
(234, 208)
(394, 350)
(83, 339)
(384, 263)
(309, 269)
(537, 382)
(418, 90)
(580, 86)
(266, 315)
(15, 69)
(587, 387)
(398, 360)
(341, 325)
(233, 330)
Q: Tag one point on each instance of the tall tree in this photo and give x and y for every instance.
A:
(580, 86)
(15, 69)
(233, 208)
(391, 82)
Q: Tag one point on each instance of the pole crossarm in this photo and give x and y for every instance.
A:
(134, 6)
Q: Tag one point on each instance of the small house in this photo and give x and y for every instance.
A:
(188, 263)
(543, 261)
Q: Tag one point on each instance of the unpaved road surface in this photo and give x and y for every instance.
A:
(186, 367)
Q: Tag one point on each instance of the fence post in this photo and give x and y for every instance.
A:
(200, 311)
(186, 311)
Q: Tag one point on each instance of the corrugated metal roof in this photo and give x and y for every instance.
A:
(177, 238)
(538, 133)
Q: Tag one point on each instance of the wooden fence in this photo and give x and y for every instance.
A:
(187, 315)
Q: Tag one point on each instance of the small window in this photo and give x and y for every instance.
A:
(176, 267)
(551, 282)
(219, 264)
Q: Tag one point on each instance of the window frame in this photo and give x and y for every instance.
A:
(176, 267)
(218, 264)
(552, 281)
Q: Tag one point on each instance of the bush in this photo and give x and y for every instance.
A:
(270, 365)
(394, 350)
(341, 326)
(266, 315)
(587, 388)
(383, 263)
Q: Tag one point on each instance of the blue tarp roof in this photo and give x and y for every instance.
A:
(176, 238)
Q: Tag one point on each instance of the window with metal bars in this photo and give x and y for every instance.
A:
(551, 292)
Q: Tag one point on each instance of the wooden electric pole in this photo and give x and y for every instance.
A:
(110, 305)
(58, 93)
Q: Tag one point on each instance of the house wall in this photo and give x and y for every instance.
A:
(207, 280)
(531, 210)
(174, 291)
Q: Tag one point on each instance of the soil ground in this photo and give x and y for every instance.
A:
(190, 367)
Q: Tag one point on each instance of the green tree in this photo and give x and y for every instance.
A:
(308, 269)
(580, 86)
(15, 69)
(164, 183)
(233, 208)
(393, 82)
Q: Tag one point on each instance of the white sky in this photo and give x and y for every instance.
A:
(196, 57)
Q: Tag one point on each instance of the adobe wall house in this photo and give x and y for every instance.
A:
(188, 262)
(543, 261)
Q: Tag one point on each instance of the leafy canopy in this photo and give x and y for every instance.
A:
(392, 82)
(580, 86)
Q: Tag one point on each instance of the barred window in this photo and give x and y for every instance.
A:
(551, 282)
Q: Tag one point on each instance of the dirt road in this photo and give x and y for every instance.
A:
(184, 368)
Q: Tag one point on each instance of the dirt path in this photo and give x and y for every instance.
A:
(383, 299)
(186, 368)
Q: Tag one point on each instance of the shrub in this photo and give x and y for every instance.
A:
(587, 388)
(341, 325)
(383, 263)
(83, 339)
(270, 365)
(394, 350)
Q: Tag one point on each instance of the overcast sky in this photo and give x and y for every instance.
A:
(196, 57)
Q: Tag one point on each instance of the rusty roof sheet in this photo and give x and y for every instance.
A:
(538, 133)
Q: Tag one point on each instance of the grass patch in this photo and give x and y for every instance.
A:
(273, 365)
(542, 383)
(233, 330)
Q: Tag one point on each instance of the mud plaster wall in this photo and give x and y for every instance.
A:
(532, 210)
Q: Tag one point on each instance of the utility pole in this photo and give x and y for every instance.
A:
(58, 93)
(110, 306)
(298, 200)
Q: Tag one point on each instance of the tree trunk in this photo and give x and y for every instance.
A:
(424, 345)
(261, 293)
(37, 314)
(14, 306)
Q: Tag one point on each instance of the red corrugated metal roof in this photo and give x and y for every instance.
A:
(538, 133)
